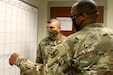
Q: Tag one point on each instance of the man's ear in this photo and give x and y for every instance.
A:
(59, 27)
(84, 16)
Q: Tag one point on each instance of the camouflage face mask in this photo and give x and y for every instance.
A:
(52, 33)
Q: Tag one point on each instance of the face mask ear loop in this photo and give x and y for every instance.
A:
(77, 26)
(81, 24)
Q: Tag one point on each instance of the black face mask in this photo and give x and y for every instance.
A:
(77, 26)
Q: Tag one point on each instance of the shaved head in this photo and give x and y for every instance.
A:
(86, 6)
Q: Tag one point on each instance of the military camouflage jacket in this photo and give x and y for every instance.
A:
(44, 52)
(44, 48)
(90, 51)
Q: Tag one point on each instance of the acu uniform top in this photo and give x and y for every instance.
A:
(44, 48)
(44, 51)
(91, 51)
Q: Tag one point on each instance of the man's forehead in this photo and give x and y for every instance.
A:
(52, 24)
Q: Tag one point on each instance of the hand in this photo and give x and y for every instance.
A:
(40, 67)
(12, 59)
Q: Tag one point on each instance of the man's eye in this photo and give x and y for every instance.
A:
(50, 27)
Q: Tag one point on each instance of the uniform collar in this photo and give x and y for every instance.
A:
(94, 25)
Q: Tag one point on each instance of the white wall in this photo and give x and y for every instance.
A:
(42, 19)
(18, 33)
(110, 14)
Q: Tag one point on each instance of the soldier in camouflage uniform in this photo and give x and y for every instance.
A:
(54, 38)
(88, 52)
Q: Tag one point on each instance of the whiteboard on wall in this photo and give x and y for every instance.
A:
(18, 33)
